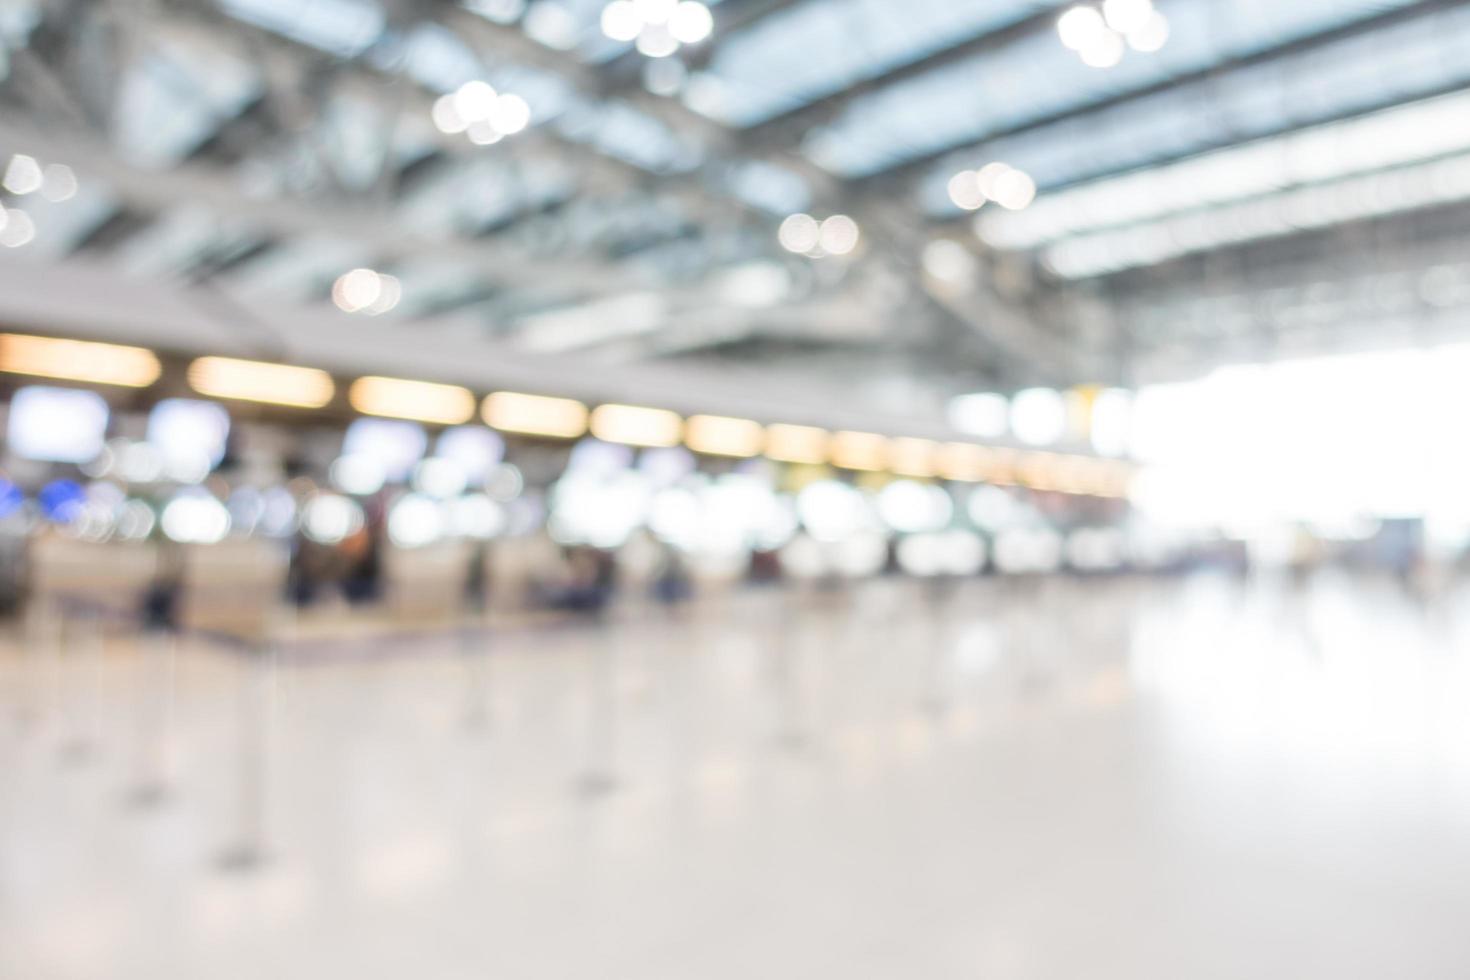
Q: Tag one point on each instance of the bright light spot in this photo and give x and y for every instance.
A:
(474, 101)
(1152, 35)
(1110, 422)
(964, 190)
(838, 235)
(831, 511)
(58, 183)
(22, 175)
(799, 233)
(440, 478)
(1126, 16)
(992, 509)
(655, 11)
(366, 291)
(691, 22)
(621, 20)
(552, 24)
(984, 414)
(1079, 26)
(18, 229)
(415, 521)
(602, 512)
(446, 116)
(328, 518)
(195, 518)
(356, 290)
(1103, 51)
(358, 473)
(987, 177)
(1038, 416)
(907, 506)
(1014, 190)
(510, 114)
(481, 133)
(656, 41)
(477, 516)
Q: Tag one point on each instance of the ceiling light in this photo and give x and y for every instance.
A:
(985, 414)
(986, 177)
(538, 415)
(22, 175)
(18, 229)
(78, 360)
(474, 100)
(1125, 16)
(58, 183)
(1103, 51)
(420, 401)
(962, 461)
(621, 20)
(358, 290)
(913, 457)
(797, 443)
(839, 235)
(655, 11)
(658, 27)
(859, 451)
(691, 22)
(634, 425)
(510, 114)
(964, 190)
(655, 41)
(1014, 190)
(1079, 26)
(1151, 35)
(260, 381)
(722, 436)
(446, 115)
(799, 233)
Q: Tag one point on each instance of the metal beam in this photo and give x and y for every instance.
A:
(787, 127)
(221, 191)
(1358, 28)
(79, 299)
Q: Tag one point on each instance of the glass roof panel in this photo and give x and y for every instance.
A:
(1409, 61)
(1037, 77)
(821, 46)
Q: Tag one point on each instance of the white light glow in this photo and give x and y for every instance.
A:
(799, 233)
(1079, 26)
(1039, 416)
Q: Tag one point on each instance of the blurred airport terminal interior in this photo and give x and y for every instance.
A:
(714, 488)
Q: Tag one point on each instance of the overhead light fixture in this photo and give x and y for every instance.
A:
(797, 443)
(261, 381)
(963, 462)
(719, 435)
(658, 28)
(803, 234)
(483, 114)
(1101, 34)
(913, 457)
(537, 415)
(420, 401)
(78, 360)
(859, 451)
(366, 291)
(634, 425)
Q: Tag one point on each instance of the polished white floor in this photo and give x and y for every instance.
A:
(1072, 781)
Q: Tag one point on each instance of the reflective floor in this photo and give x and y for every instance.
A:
(1193, 779)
